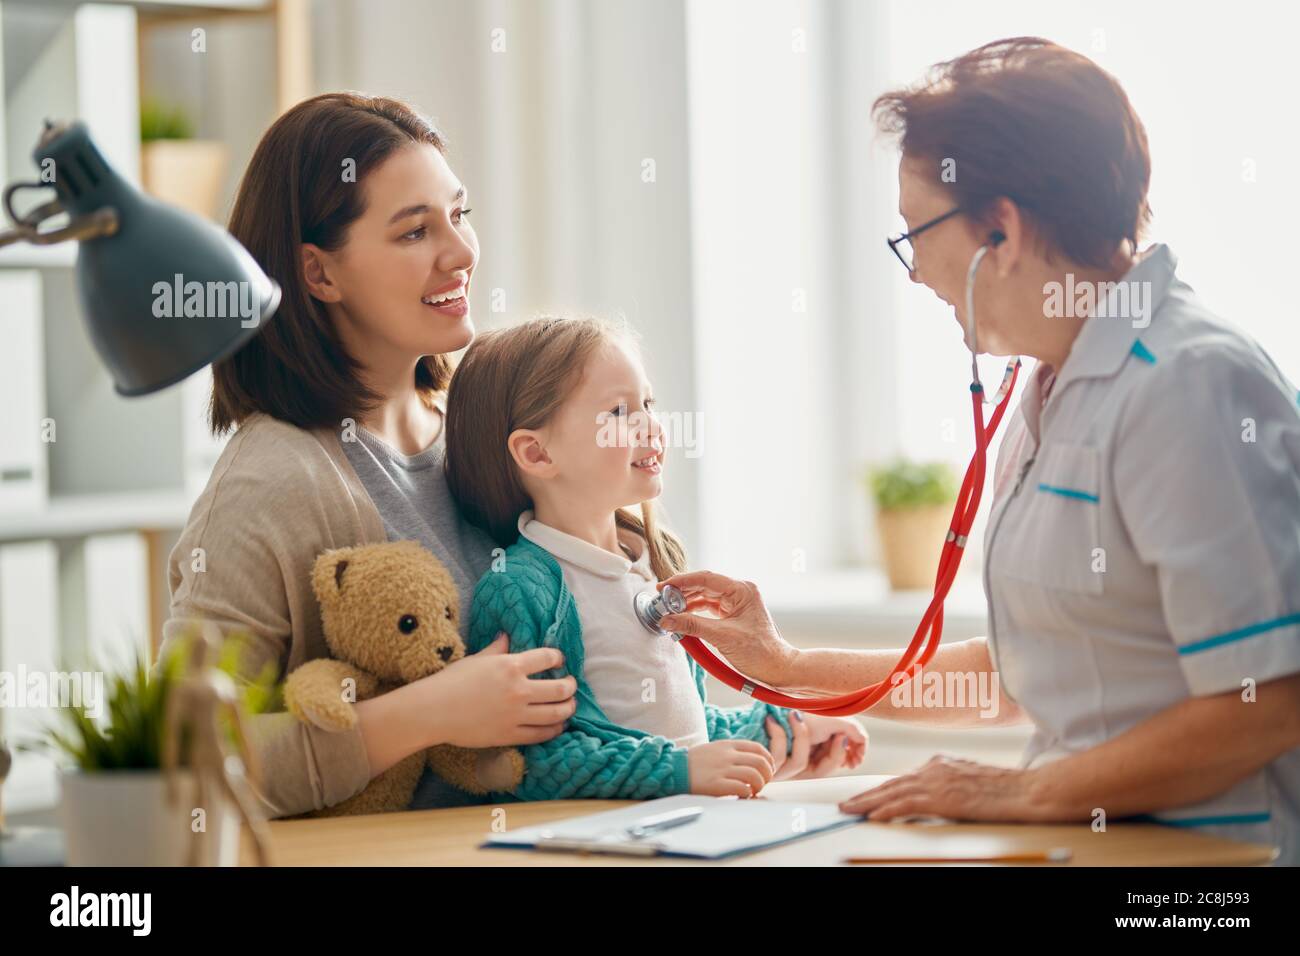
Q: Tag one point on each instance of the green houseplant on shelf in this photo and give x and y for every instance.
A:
(174, 166)
(913, 508)
(115, 808)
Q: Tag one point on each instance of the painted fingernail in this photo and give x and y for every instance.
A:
(846, 743)
(798, 716)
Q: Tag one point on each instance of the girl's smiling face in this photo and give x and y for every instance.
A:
(604, 446)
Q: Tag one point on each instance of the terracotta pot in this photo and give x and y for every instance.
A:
(911, 540)
(185, 172)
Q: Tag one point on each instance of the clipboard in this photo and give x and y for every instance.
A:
(725, 827)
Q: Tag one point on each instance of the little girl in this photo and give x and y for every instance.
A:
(550, 436)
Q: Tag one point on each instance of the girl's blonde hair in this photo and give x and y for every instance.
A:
(515, 378)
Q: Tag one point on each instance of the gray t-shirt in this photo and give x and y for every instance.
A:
(411, 495)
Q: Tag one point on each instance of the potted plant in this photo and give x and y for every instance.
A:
(115, 806)
(913, 508)
(174, 166)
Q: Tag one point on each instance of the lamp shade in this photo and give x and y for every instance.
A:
(168, 292)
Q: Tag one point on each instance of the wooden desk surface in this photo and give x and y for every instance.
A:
(451, 837)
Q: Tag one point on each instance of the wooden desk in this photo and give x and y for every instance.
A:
(451, 838)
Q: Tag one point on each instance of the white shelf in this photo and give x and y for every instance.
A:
(26, 256)
(85, 562)
(163, 6)
(79, 516)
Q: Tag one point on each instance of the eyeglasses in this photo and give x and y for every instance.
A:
(908, 257)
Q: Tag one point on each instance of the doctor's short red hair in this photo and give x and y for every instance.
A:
(1041, 125)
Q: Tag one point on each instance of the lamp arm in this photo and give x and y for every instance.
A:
(101, 222)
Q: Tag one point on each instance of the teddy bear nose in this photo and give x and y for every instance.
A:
(445, 653)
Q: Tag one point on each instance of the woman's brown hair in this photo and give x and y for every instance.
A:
(515, 378)
(295, 190)
(1041, 125)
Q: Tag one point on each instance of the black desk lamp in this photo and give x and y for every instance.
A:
(163, 292)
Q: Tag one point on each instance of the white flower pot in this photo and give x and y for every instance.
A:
(122, 818)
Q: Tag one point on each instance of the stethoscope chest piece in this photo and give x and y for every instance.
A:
(650, 608)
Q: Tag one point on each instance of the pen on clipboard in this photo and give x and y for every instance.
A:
(663, 821)
(644, 827)
(1058, 854)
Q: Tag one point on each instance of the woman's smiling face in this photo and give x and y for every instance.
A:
(401, 279)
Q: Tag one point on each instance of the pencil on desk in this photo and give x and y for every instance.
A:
(1055, 855)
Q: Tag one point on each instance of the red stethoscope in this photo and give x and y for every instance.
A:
(650, 607)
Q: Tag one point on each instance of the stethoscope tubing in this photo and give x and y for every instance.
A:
(929, 632)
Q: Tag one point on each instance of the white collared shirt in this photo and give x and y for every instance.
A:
(639, 680)
(1144, 542)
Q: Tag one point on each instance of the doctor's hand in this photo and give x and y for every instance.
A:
(821, 745)
(741, 629)
(952, 788)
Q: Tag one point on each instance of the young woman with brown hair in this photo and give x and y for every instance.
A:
(349, 204)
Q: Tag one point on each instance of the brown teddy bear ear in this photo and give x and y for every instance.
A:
(327, 573)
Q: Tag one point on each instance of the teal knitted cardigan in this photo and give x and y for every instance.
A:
(525, 596)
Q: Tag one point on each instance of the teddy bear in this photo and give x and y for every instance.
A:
(389, 613)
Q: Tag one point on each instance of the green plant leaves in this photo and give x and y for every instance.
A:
(131, 736)
(905, 484)
(161, 122)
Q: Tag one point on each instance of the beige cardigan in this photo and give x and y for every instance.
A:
(277, 497)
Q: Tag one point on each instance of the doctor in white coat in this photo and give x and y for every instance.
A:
(1143, 551)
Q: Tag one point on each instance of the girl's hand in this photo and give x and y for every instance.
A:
(488, 699)
(822, 746)
(951, 788)
(724, 768)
